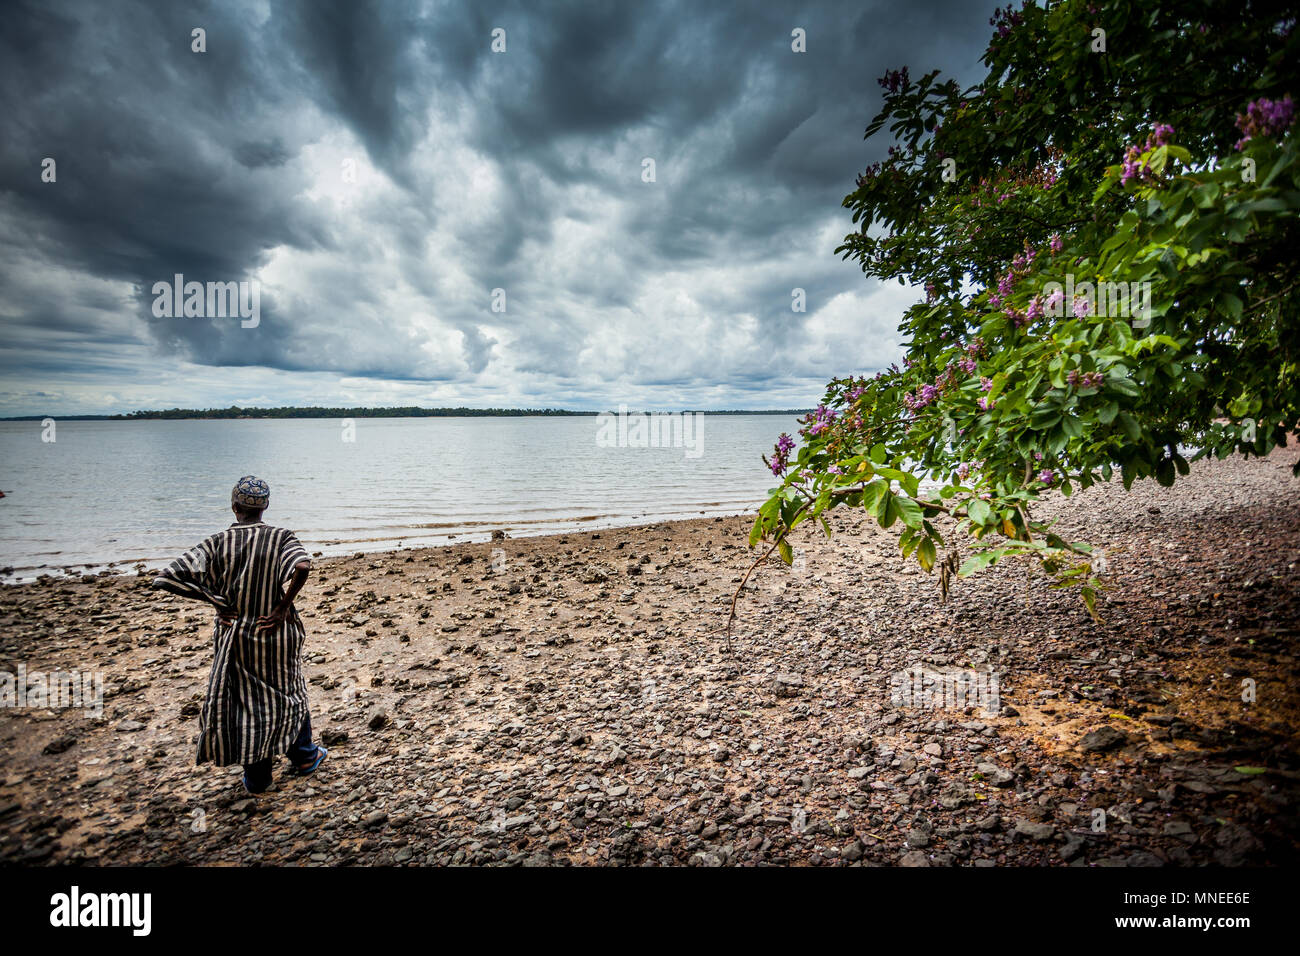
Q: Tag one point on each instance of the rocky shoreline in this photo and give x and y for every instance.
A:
(572, 699)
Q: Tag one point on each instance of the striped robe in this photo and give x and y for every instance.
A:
(257, 697)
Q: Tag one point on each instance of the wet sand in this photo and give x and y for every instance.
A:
(571, 699)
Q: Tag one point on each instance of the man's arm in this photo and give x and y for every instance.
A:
(187, 577)
(280, 612)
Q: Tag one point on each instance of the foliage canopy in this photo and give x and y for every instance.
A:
(1105, 229)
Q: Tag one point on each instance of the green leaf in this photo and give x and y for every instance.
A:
(1123, 385)
(1130, 426)
(925, 554)
(886, 509)
(871, 495)
(977, 562)
(909, 511)
(1231, 305)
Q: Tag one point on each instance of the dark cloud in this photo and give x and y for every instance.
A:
(380, 171)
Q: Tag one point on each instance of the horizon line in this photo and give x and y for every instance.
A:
(376, 411)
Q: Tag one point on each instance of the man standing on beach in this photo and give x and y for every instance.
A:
(256, 705)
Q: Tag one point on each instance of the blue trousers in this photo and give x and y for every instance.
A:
(302, 750)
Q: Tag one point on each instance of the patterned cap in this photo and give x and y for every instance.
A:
(250, 492)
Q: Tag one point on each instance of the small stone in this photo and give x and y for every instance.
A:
(1100, 739)
(997, 776)
(1035, 831)
(787, 685)
(59, 745)
(1074, 844)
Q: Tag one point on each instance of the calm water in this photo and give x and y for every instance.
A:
(129, 492)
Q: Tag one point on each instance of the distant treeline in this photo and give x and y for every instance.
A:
(288, 411)
(408, 411)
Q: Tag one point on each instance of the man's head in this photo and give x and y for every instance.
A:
(249, 498)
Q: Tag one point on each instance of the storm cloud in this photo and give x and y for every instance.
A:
(434, 221)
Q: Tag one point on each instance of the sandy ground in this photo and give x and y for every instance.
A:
(571, 699)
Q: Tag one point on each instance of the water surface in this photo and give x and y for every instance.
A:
(143, 491)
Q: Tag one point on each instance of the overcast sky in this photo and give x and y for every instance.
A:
(378, 170)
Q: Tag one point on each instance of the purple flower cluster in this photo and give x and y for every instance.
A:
(821, 419)
(1055, 243)
(1047, 476)
(1005, 20)
(781, 460)
(1034, 310)
(1086, 380)
(1021, 264)
(949, 378)
(1133, 167)
(894, 80)
(924, 396)
(870, 173)
(1265, 117)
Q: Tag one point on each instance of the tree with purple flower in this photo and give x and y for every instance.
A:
(1077, 177)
